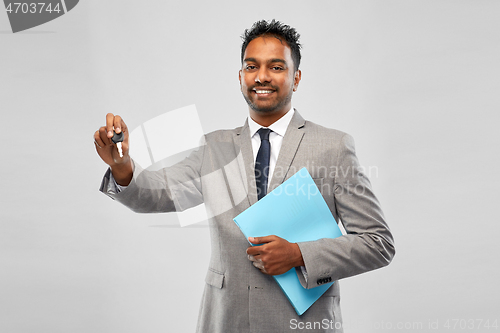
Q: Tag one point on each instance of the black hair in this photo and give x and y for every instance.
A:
(275, 29)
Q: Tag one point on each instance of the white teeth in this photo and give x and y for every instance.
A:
(263, 91)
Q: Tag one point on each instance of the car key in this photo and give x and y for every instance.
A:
(118, 139)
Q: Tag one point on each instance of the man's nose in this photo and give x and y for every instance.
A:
(263, 75)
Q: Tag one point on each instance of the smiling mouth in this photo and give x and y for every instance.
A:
(262, 91)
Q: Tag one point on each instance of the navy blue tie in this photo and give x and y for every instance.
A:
(262, 162)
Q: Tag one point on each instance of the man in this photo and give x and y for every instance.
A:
(241, 295)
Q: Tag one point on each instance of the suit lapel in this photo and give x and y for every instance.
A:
(291, 141)
(243, 142)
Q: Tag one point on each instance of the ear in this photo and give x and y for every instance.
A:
(296, 79)
(239, 77)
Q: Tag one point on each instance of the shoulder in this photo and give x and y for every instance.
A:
(314, 131)
(319, 133)
(223, 134)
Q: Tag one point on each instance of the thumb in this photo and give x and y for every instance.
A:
(260, 240)
(253, 240)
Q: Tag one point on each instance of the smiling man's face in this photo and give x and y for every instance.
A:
(268, 77)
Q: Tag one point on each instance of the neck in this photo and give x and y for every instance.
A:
(266, 119)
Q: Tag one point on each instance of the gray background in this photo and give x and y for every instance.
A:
(415, 82)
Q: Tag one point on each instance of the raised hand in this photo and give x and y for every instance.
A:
(121, 167)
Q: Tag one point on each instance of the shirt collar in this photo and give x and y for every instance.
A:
(279, 126)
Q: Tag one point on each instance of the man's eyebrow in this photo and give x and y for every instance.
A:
(249, 60)
(270, 61)
(278, 60)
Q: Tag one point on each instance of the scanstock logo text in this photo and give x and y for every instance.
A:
(28, 14)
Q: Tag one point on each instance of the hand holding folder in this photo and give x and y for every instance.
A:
(297, 212)
(279, 255)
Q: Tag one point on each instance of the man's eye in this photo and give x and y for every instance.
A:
(250, 67)
(277, 68)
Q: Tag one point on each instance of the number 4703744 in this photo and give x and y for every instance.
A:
(31, 8)
(470, 324)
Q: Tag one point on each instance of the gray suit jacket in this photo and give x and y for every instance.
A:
(238, 297)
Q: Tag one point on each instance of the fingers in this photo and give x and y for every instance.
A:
(253, 240)
(114, 123)
(262, 240)
(254, 258)
(97, 140)
(103, 135)
(117, 123)
(260, 266)
(257, 262)
(260, 244)
(110, 123)
(254, 250)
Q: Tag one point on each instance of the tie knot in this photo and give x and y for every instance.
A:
(264, 133)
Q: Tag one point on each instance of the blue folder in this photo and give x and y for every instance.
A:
(297, 212)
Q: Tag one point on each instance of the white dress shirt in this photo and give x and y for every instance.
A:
(278, 129)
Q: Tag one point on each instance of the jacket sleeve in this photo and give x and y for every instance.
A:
(368, 244)
(175, 188)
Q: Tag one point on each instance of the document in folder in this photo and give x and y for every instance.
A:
(297, 212)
